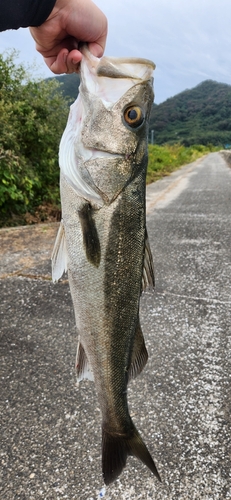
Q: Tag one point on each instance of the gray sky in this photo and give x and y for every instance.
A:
(189, 40)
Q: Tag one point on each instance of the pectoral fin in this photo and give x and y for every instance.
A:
(83, 367)
(148, 278)
(90, 236)
(59, 255)
(139, 354)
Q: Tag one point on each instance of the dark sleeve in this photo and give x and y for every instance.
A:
(16, 14)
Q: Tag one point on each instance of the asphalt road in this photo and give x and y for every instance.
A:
(181, 403)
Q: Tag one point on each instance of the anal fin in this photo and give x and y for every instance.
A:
(83, 367)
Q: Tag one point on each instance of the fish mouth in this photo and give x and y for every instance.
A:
(89, 154)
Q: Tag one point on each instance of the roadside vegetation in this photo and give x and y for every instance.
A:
(33, 115)
(32, 118)
(165, 159)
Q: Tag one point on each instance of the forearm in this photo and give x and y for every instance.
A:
(16, 14)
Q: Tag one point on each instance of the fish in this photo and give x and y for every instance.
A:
(102, 241)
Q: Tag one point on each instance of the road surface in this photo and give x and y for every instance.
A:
(181, 403)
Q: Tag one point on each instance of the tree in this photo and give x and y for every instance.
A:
(33, 114)
(200, 115)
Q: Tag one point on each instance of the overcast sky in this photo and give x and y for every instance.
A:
(189, 40)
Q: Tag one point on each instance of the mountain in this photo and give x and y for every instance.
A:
(69, 85)
(201, 115)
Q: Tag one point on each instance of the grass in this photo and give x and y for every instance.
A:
(165, 159)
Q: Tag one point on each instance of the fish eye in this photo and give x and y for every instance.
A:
(133, 116)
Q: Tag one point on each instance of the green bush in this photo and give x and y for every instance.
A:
(165, 159)
(32, 118)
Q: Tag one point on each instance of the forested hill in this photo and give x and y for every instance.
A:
(201, 115)
(69, 85)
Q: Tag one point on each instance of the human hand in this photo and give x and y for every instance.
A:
(70, 22)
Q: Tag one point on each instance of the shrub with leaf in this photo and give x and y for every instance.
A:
(32, 118)
(162, 160)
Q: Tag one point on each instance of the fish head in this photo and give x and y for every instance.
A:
(108, 123)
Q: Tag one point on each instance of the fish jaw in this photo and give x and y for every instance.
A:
(69, 160)
(109, 78)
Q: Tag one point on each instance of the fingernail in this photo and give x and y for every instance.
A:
(65, 57)
(76, 65)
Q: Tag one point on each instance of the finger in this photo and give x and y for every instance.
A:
(73, 59)
(64, 62)
(96, 49)
(57, 64)
(69, 43)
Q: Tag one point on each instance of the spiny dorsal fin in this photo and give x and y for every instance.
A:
(139, 354)
(59, 255)
(148, 269)
(83, 367)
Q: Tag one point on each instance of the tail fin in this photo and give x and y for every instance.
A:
(116, 448)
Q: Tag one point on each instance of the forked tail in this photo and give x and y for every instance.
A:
(116, 448)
